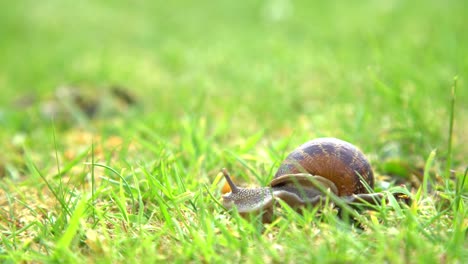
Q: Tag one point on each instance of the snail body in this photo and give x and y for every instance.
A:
(306, 175)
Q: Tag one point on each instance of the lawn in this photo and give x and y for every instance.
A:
(117, 118)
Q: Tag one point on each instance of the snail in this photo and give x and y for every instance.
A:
(318, 167)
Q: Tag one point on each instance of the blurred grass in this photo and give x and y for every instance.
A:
(352, 66)
(252, 79)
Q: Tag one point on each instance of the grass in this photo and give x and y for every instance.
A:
(236, 85)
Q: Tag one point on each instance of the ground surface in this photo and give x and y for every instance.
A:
(161, 96)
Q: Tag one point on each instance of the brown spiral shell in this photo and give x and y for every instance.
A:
(331, 158)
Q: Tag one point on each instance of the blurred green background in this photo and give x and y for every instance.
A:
(367, 71)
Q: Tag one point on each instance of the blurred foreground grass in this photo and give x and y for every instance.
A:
(217, 82)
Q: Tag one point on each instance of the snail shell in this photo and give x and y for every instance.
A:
(336, 160)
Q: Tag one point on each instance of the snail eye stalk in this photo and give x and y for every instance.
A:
(234, 188)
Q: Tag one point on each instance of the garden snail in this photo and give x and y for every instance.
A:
(314, 168)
